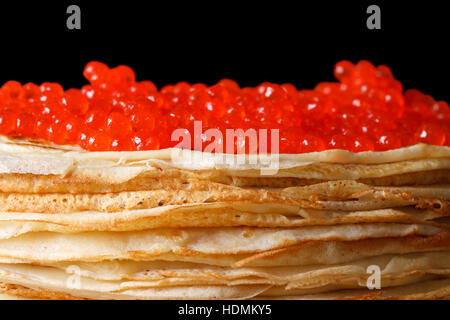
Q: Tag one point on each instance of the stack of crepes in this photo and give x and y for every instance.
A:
(143, 225)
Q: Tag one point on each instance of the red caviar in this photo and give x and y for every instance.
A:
(365, 111)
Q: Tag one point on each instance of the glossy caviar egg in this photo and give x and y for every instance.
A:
(366, 110)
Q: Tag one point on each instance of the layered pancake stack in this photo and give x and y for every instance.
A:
(99, 198)
(154, 225)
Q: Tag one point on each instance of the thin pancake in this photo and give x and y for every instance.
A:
(336, 195)
(13, 224)
(309, 253)
(48, 246)
(129, 178)
(391, 267)
(426, 290)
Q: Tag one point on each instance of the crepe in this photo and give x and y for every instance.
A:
(33, 168)
(180, 224)
(208, 215)
(74, 155)
(391, 266)
(96, 245)
(337, 195)
(132, 178)
(308, 282)
(424, 290)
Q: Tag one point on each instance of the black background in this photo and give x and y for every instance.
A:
(283, 310)
(295, 42)
(279, 41)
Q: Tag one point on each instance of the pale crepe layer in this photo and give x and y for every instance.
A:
(313, 252)
(198, 160)
(48, 246)
(60, 291)
(56, 280)
(13, 224)
(53, 278)
(309, 253)
(27, 168)
(347, 277)
(391, 266)
(426, 290)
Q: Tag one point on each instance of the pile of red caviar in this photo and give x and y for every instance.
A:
(365, 111)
